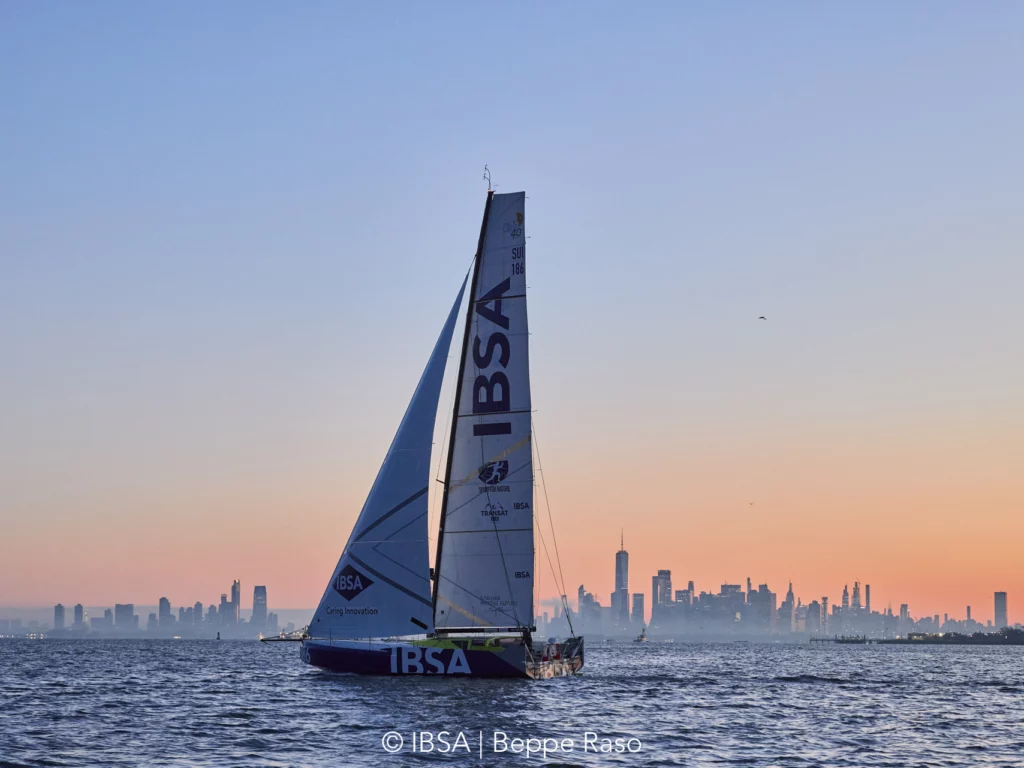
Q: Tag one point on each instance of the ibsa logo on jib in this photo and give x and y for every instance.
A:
(351, 582)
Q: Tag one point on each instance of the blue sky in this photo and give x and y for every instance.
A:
(229, 234)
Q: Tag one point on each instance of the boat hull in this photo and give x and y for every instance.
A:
(443, 657)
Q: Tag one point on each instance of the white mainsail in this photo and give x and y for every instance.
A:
(485, 550)
(381, 585)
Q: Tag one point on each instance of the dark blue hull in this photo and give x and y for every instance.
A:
(509, 661)
(451, 657)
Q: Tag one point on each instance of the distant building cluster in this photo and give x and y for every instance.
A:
(188, 622)
(750, 612)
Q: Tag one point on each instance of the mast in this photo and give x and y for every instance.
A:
(458, 394)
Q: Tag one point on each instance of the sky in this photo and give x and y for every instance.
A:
(230, 233)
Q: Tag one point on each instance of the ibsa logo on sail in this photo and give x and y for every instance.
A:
(414, 660)
(491, 393)
(350, 582)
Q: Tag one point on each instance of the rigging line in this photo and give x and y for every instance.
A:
(551, 523)
(551, 567)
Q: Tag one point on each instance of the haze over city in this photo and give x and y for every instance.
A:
(221, 279)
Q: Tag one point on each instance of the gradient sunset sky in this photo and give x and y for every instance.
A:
(230, 233)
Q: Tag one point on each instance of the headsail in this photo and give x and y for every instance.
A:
(485, 551)
(381, 585)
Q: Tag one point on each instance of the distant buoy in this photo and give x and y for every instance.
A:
(218, 635)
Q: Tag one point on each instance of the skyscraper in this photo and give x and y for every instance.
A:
(236, 600)
(856, 596)
(259, 607)
(661, 590)
(197, 613)
(164, 615)
(79, 617)
(638, 608)
(904, 612)
(787, 612)
(622, 566)
(1002, 619)
(620, 598)
(125, 618)
(867, 598)
(58, 616)
(846, 597)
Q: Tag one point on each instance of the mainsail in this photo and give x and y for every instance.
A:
(485, 559)
(381, 585)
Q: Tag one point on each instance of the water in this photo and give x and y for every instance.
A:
(183, 703)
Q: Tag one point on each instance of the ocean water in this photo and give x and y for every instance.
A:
(202, 703)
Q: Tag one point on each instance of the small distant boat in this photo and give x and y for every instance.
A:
(643, 636)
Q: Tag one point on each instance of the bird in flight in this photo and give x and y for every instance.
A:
(762, 317)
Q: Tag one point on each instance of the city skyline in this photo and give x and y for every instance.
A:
(623, 601)
(218, 291)
(756, 612)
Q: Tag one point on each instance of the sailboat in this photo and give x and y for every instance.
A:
(385, 610)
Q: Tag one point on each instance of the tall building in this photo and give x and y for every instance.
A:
(867, 598)
(856, 596)
(236, 600)
(813, 617)
(58, 616)
(1002, 619)
(259, 607)
(125, 618)
(638, 608)
(620, 598)
(824, 614)
(846, 597)
(968, 613)
(225, 609)
(661, 590)
(79, 617)
(904, 612)
(622, 566)
(762, 605)
(787, 612)
(164, 615)
(197, 613)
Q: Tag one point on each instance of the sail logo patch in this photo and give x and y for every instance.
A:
(493, 472)
(350, 582)
(494, 511)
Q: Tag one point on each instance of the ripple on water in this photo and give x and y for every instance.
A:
(132, 703)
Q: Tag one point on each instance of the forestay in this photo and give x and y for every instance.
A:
(381, 585)
(486, 559)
